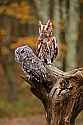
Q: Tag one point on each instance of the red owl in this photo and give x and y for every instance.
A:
(47, 48)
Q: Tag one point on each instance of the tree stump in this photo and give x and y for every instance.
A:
(60, 92)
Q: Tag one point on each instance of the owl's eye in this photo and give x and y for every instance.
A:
(17, 52)
(22, 51)
(47, 28)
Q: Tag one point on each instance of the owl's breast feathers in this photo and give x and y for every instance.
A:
(47, 48)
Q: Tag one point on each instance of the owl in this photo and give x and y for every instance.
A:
(31, 65)
(47, 47)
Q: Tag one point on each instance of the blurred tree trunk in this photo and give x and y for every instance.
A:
(64, 23)
(57, 19)
(68, 13)
(8, 69)
(57, 29)
(80, 42)
(51, 9)
(7, 58)
(42, 9)
(72, 34)
(10, 77)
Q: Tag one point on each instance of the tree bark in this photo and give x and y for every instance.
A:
(61, 94)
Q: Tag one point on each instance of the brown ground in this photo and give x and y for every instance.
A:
(36, 120)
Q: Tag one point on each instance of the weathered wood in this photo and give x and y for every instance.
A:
(60, 92)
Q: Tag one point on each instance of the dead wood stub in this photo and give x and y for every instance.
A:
(61, 94)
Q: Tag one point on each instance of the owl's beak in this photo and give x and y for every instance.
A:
(16, 59)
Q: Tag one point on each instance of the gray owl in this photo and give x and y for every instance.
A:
(31, 65)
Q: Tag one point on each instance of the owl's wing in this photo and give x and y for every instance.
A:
(54, 48)
(55, 44)
(38, 46)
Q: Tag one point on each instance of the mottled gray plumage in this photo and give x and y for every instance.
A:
(31, 65)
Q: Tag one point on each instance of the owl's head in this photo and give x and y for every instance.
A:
(45, 29)
(23, 52)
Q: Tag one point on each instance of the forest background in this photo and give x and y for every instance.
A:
(19, 26)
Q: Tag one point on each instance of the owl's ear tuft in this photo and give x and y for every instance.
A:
(49, 23)
(40, 25)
